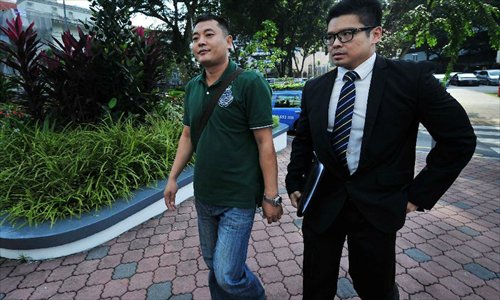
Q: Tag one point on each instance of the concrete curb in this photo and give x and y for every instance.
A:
(92, 229)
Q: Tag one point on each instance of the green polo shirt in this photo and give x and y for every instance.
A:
(227, 170)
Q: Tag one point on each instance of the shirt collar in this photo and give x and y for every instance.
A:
(229, 69)
(363, 69)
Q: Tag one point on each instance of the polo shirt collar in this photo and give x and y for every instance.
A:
(229, 69)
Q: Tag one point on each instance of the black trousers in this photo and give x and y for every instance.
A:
(371, 258)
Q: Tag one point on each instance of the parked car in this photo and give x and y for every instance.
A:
(464, 79)
(440, 78)
(300, 80)
(286, 105)
(488, 77)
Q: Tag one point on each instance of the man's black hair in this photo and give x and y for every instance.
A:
(368, 11)
(223, 24)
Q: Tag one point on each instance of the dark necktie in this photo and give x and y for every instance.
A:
(343, 117)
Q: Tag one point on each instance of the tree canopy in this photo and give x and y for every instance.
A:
(440, 26)
(299, 24)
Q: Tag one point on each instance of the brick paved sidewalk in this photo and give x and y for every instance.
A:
(451, 252)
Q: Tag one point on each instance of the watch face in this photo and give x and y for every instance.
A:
(276, 201)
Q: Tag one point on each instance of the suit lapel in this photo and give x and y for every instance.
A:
(375, 94)
(325, 95)
(319, 117)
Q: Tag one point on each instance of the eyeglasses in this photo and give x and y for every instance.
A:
(344, 36)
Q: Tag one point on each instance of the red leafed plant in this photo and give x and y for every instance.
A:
(23, 57)
(73, 80)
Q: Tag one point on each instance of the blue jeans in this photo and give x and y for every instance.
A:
(224, 235)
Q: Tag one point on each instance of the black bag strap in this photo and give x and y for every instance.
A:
(207, 111)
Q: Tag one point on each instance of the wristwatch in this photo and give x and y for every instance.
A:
(276, 201)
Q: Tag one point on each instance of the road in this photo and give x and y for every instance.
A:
(488, 89)
(481, 103)
(488, 140)
(483, 108)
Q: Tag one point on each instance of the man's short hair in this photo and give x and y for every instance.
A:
(369, 12)
(223, 24)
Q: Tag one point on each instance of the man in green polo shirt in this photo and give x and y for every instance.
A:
(235, 161)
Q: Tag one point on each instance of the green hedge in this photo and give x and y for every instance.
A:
(287, 85)
(48, 176)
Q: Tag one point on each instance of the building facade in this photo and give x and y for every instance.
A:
(51, 18)
(315, 64)
(7, 4)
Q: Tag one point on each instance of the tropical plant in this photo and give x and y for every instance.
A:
(12, 116)
(23, 57)
(73, 79)
(88, 76)
(48, 176)
(131, 58)
(7, 88)
(171, 106)
(146, 61)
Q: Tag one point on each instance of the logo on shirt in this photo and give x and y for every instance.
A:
(226, 98)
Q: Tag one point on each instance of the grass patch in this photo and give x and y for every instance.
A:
(49, 176)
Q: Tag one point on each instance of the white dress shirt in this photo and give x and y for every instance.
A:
(365, 71)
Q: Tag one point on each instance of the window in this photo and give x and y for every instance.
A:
(287, 101)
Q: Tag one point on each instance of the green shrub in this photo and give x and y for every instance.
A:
(48, 176)
(287, 86)
(21, 54)
(276, 121)
(170, 106)
(12, 115)
(114, 69)
(175, 96)
(7, 88)
(131, 60)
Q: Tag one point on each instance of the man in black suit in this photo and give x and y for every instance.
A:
(368, 150)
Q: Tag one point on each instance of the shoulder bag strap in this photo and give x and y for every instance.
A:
(207, 112)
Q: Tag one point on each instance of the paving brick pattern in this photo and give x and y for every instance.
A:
(451, 252)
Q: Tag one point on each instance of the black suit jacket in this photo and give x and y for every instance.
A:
(402, 95)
